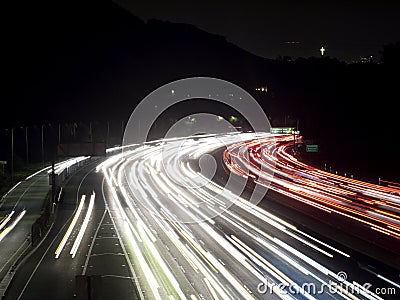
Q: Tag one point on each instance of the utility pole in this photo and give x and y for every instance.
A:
(53, 187)
(53, 175)
(74, 125)
(90, 132)
(122, 131)
(42, 147)
(108, 134)
(59, 133)
(12, 155)
(26, 144)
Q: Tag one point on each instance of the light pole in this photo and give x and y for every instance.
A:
(75, 125)
(59, 133)
(26, 145)
(12, 155)
(90, 132)
(122, 131)
(108, 134)
(42, 147)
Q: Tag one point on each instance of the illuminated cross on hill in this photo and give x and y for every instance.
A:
(322, 50)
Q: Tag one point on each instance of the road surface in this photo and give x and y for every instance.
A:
(155, 226)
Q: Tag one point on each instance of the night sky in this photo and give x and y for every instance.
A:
(347, 29)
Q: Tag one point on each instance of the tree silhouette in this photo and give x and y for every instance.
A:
(390, 54)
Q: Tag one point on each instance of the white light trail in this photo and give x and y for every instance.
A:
(70, 227)
(83, 226)
(13, 224)
(152, 187)
(6, 220)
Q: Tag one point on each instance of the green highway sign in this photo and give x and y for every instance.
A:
(312, 148)
(281, 130)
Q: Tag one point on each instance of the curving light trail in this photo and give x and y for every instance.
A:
(373, 206)
(14, 223)
(192, 238)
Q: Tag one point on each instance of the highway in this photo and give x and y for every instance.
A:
(194, 239)
(44, 275)
(374, 208)
(148, 222)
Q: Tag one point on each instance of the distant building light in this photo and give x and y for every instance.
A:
(322, 50)
(262, 89)
(366, 59)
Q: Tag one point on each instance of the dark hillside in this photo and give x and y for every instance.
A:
(81, 61)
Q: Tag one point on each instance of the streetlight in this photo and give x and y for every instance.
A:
(122, 129)
(90, 132)
(26, 145)
(12, 155)
(42, 146)
(59, 133)
(108, 134)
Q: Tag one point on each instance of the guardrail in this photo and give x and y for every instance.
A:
(64, 169)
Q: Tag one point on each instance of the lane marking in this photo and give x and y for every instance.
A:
(92, 244)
